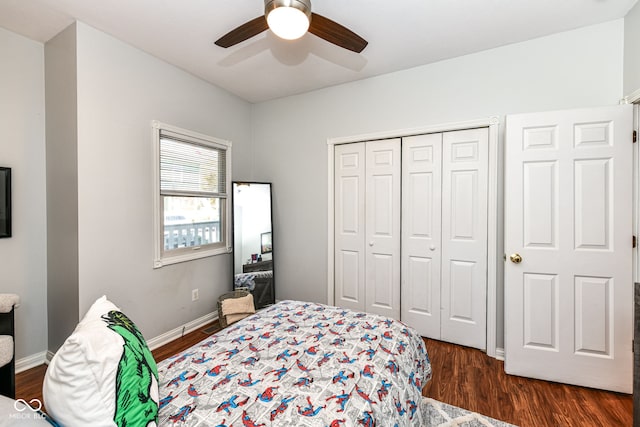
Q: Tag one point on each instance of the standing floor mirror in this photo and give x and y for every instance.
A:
(253, 241)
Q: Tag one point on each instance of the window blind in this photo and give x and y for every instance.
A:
(188, 167)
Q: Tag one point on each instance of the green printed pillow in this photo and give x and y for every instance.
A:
(104, 374)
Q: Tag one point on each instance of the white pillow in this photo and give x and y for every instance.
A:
(87, 385)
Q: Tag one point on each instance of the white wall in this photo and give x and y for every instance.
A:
(23, 257)
(120, 91)
(632, 50)
(579, 68)
(62, 186)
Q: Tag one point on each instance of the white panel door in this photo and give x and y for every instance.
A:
(465, 160)
(421, 233)
(568, 216)
(349, 194)
(383, 227)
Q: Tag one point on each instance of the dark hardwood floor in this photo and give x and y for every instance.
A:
(467, 378)
(470, 379)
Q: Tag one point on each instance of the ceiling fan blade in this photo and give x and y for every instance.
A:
(243, 32)
(335, 33)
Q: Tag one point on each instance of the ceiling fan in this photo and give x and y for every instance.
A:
(291, 19)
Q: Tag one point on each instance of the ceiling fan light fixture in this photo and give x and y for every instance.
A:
(288, 19)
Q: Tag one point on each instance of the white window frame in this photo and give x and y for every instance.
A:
(162, 258)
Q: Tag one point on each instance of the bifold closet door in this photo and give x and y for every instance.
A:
(444, 232)
(382, 213)
(349, 228)
(444, 235)
(367, 226)
(465, 160)
(421, 233)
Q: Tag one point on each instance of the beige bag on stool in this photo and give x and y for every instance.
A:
(235, 309)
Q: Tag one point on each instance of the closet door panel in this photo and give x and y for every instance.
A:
(383, 162)
(464, 237)
(461, 306)
(421, 233)
(381, 293)
(350, 226)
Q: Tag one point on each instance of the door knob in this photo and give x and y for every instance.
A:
(371, 243)
(432, 248)
(515, 258)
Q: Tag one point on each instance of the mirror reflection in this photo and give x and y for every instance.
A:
(253, 241)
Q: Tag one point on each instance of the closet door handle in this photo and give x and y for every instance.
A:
(432, 247)
(370, 243)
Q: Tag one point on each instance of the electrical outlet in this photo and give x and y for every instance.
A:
(194, 295)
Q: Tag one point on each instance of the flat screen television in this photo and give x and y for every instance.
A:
(5, 202)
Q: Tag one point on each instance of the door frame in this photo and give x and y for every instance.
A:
(636, 189)
(494, 210)
(634, 98)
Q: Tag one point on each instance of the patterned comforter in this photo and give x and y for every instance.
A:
(299, 364)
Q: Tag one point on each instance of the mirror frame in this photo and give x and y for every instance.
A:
(5, 203)
(233, 232)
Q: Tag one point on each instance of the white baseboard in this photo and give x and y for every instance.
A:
(32, 361)
(173, 334)
(45, 356)
(500, 353)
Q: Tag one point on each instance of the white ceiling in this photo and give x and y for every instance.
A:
(401, 34)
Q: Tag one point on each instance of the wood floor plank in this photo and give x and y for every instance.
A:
(467, 378)
(183, 343)
(470, 379)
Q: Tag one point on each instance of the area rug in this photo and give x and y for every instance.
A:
(442, 415)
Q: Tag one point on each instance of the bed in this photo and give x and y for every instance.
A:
(259, 283)
(298, 364)
(290, 364)
(248, 280)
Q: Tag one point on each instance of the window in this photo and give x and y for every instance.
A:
(192, 183)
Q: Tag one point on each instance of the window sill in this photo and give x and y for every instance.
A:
(189, 256)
